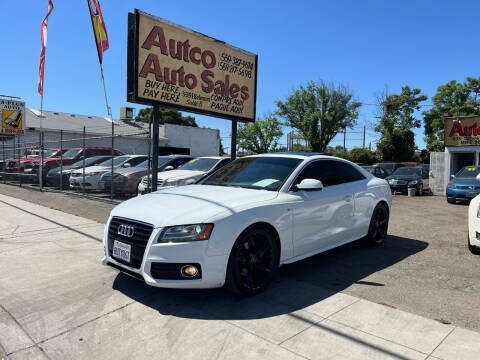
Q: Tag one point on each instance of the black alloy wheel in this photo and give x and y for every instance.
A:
(420, 189)
(253, 261)
(377, 231)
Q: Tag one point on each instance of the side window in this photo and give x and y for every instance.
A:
(89, 153)
(137, 160)
(330, 172)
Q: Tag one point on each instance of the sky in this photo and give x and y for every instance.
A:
(368, 45)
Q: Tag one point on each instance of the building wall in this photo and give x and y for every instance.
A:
(200, 141)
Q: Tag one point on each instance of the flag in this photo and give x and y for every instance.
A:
(99, 29)
(43, 37)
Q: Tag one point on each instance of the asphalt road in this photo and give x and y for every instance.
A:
(424, 267)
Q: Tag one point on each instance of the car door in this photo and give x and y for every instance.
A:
(321, 218)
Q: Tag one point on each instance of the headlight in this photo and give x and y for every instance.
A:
(185, 233)
(391, 181)
(413, 182)
(172, 183)
(94, 173)
(450, 186)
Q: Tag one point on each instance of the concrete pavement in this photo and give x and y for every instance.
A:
(58, 302)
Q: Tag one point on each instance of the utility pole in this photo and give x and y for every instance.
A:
(156, 122)
(233, 145)
(364, 136)
(344, 140)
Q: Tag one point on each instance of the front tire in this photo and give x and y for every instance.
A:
(377, 231)
(253, 261)
(473, 249)
(451, 201)
(420, 190)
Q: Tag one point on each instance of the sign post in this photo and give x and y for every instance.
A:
(156, 121)
(174, 67)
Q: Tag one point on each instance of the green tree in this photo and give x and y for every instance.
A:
(451, 99)
(397, 119)
(260, 136)
(361, 155)
(168, 116)
(319, 111)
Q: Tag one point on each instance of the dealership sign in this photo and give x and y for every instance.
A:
(13, 115)
(172, 66)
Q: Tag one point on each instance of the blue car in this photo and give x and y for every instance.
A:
(464, 186)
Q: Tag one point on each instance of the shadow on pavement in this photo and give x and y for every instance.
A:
(295, 287)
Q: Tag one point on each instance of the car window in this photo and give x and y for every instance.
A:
(199, 164)
(408, 170)
(135, 161)
(330, 172)
(469, 172)
(179, 161)
(265, 173)
(116, 161)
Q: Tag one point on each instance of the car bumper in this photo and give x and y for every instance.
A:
(213, 268)
(461, 194)
(474, 229)
(91, 183)
(123, 187)
(402, 188)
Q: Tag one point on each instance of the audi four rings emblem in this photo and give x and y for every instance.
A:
(126, 230)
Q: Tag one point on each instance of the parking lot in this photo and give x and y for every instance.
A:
(414, 297)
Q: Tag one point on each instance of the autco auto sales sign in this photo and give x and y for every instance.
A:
(13, 115)
(462, 131)
(176, 67)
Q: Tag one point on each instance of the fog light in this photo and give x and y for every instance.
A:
(189, 270)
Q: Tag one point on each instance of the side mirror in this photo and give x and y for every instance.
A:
(452, 177)
(431, 174)
(126, 165)
(310, 185)
(168, 168)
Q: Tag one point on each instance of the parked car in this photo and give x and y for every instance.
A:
(474, 225)
(390, 167)
(463, 186)
(94, 173)
(238, 225)
(377, 171)
(127, 180)
(63, 172)
(192, 171)
(409, 177)
(410, 163)
(178, 160)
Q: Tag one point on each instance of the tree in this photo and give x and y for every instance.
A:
(319, 112)
(397, 118)
(451, 99)
(361, 155)
(260, 136)
(168, 116)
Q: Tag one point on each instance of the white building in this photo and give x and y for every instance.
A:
(130, 137)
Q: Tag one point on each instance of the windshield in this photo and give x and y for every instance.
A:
(56, 153)
(408, 171)
(267, 173)
(388, 167)
(199, 164)
(468, 172)
(70, 154)
(161, 162)
(88, 161)
(370, 169)
(116, 161)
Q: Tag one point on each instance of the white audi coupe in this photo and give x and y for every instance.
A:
(238, 225)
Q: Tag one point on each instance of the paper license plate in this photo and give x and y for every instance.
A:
(471, 194)
(121, 251)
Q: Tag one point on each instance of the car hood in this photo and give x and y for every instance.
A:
(403, 177)
(178, 174)
(92, 169)
(465, 181)
(189, 204)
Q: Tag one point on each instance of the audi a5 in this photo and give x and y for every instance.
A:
(238, 225)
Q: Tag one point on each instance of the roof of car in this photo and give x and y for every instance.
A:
(298, 155)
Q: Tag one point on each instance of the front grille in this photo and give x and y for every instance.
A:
(160, 182)
(171, 271)
(467, 187)
(138, 242)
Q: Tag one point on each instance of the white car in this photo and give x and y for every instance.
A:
(474, 225)
(94, 173)
(239, 224)
(187, 173)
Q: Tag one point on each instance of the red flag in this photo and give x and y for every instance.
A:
(99, 29)
(43, 37)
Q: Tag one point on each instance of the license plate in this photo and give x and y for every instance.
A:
(471, 194)
(121, 251)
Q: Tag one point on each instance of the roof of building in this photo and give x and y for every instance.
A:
(53, 120)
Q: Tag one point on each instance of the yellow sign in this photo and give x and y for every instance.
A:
(462, 131)
(12, 113)
(172, 66)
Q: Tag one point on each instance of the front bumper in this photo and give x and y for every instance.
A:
(91, 182)
(474, 229)
(461, 194)
(213, 268)
(402, 187)
(123, 186)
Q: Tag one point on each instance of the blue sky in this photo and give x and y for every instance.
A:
(367, 45)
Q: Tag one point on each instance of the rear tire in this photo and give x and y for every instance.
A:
(473, 249)
(377, 231)
(253, 261)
